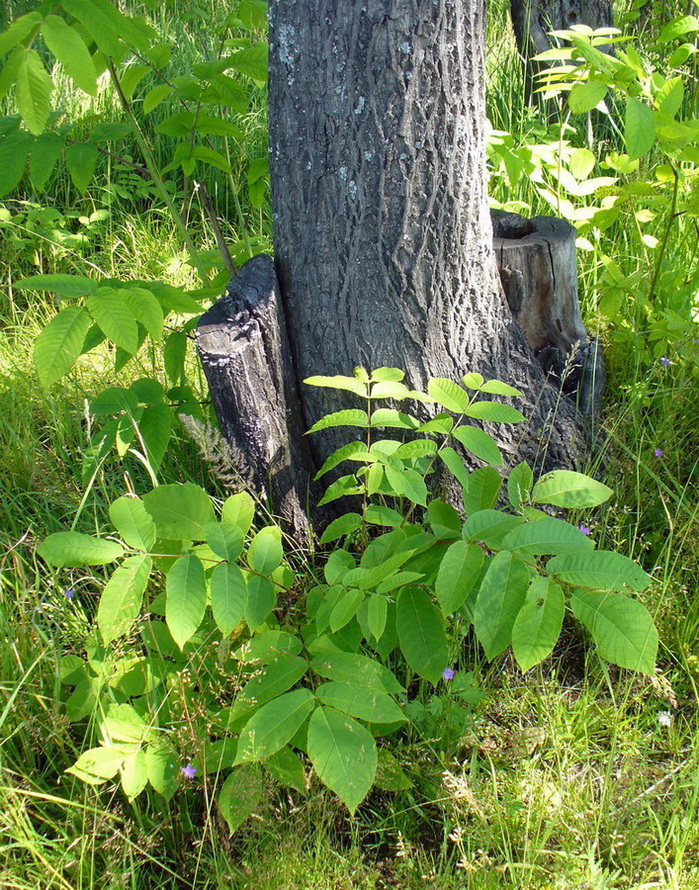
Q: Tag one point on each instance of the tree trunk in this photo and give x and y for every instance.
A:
(382, 234)
(532, 20)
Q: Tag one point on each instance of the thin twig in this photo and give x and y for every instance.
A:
(208, 206)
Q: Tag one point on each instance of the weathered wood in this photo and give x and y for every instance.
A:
(243, 346)
(537, 264)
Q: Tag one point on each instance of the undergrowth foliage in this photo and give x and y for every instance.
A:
(192, 621)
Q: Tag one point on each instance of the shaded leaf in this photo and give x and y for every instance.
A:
(621, 627)
(421, 634)
(240, 795)
(343, 755)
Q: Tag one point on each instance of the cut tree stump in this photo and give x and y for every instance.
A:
(536, 261)
(244, 350)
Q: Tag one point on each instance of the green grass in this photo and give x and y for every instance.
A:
(564, 778)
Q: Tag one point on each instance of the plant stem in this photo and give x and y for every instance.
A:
(666, 236)
(157, 178)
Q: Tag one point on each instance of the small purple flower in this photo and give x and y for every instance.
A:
(188, 771)
(665, 361)
(697, 341)
(448, 674)
(658, 452)
(69, 593)
(585, 529)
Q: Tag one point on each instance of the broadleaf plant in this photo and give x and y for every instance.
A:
(315, 686)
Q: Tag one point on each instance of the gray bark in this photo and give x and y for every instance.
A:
(382, 235)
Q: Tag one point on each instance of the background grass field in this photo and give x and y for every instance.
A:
(569, 777)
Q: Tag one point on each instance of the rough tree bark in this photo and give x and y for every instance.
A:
(382, 234)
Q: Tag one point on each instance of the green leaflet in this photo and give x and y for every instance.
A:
(14, 151)
(229, 596)
(273, 725)
(81, 160)
(450, 395)
(162, 768)
(544, 536)
(261, 600)
(174, 355)
(181, 511)
(421, 633)
(340, 455)
(239, 510)
(358, 701)
(241, 794)
(458, 573)
(120, 603)
(59, 283)
(343, 755)
(349, 384)
(225, 539)
(155, 427)
(341, 526)
(185, 603)
(58, 346)
(70, 50)
(490, 527)
(639, 128)
(621, 627)
(599, 569)
(134, 774)
(33, 88)
(494, 411)
(252, 61)
(46, 151)
(479, 443)
(445, 521)
(111, 312)
(97, 765)
(501, 596)
(586, 96)
(265, 550)
(349, 417)
(18, 30)
(519, 484)
(145, 308)
(343, 666)
(565, 488)
(287, 769)
(481, 490)
(75, 549)
(538, 623)
(281, 673)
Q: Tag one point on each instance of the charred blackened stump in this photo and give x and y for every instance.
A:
(244, 350)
